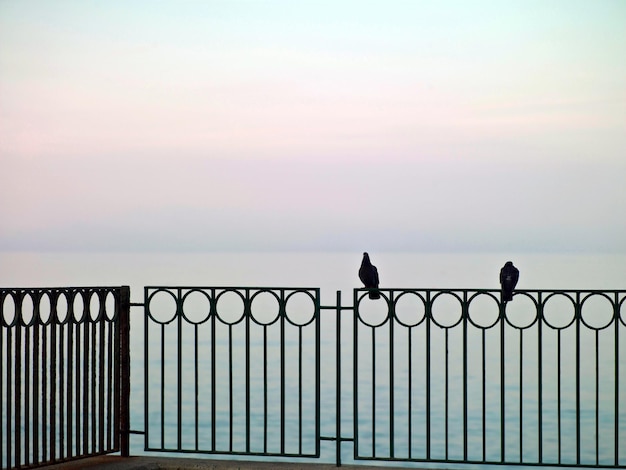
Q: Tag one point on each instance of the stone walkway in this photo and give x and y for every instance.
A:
(166, 463)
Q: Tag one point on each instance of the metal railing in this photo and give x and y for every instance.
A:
(62, 392)
(243, 373)
(464, 378)
(419, 375)
(435, 375)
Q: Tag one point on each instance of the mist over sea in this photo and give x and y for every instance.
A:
(329, 271)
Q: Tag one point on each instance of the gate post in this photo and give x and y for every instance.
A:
(124, 325)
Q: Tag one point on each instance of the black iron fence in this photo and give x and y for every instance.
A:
(63, 395)
(419, 375)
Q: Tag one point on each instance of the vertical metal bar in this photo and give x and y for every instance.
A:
(502, 381)
(616, 358)
(597, 396)
(125, 370)
(282, 384)
(92, 382)
(465, 315)
(10, 397)
(355, 371)
(373, 392)
(101, 378)
(391, 377)
(521, 394)
(247, 346)
(77, 382)
(540, 377)
(86, 374)
(62, 399)
(300, 390)
(3, 403)
(578, 378)
(27, 333)
(195, 379)
(230, 386)
(318, 375)
(179, 371)
(428, 319)
(410, 391)
(484, 397)
(446, 392)
(162, 385)
(248, 381)
(18, 387)
(53, 386)
(109, 392)
(558, 388)
(318, 378)
(265, 388)
(337, 378)
(70, 381)
(213, 413)
(146, 362)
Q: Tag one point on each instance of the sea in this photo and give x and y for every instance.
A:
(334, 272)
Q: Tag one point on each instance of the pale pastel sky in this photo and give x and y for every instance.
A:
(313, 125)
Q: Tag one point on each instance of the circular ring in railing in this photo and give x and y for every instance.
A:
(483, 310)
(409, 308)
(196, 306)
(444, 316)
(372, 312)
(622, 310)
(230, 306)
(596, 311)
(522, 311)
(162, 306)
(559, 310)
(300, 308)
(264, 307)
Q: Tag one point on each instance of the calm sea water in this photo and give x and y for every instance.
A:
(338, 271)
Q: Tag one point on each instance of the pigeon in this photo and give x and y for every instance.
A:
(369, 276)
(509, 275)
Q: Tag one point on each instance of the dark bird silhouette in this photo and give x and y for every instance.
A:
(509, 275)
(369, 276)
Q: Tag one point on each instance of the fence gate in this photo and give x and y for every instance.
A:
(232, 370)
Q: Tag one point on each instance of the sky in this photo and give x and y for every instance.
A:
(239, 125)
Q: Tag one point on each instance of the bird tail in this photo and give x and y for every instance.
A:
(374, 294)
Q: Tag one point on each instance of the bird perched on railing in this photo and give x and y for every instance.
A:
(369, 276)
(509, 276)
